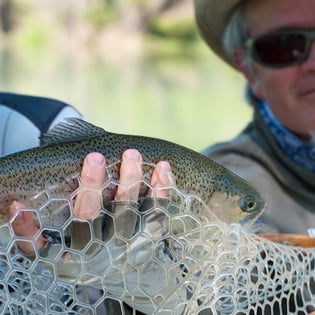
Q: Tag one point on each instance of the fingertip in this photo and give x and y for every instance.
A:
(163, 171)
(130, 174)
(95, 159)
(92, 176)
(160, 180)
(93, 171)
(15, 205)
(132, 154)
(14, 208)
(164, 165)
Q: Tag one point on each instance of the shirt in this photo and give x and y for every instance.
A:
(287, 186)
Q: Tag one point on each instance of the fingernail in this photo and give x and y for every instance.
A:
(132, 154)
(164, 166)
(95, 159)
(15, 206)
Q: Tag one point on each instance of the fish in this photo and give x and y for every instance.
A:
(26, 173)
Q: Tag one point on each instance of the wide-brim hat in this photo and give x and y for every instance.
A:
(212, 17)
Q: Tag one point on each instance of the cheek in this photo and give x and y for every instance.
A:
(274, 85)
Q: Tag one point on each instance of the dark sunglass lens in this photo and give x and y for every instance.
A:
(280, 49)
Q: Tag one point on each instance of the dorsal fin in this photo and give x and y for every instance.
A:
(73, 129)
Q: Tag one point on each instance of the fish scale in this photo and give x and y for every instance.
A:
(26, 173)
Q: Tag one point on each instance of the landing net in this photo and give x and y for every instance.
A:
(162, 257)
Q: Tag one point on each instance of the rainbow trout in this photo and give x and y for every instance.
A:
(26, 173)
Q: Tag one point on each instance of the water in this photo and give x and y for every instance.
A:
(194, 101)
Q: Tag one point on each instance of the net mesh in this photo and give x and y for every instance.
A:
(171, 257)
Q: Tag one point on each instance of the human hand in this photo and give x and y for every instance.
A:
(24, 225)
(87, 203)
(127, 195)
(89, 200)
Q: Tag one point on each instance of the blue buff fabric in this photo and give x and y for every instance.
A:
(300, 151)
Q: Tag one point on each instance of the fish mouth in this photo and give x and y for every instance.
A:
(249, 219)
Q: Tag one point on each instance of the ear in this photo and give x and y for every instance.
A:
(239, 56)
(238, 59)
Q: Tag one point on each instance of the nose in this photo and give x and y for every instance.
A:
(309, 62)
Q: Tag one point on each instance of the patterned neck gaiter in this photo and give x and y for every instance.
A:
(300, 151)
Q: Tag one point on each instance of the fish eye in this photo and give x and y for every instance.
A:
(247, 204)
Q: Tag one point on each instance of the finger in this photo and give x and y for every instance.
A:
(160, 180)
(130, 175)
(24, 225)
(89, 199)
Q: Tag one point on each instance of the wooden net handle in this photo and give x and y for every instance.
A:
(303, 240)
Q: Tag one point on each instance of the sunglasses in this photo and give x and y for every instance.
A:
(282, 48)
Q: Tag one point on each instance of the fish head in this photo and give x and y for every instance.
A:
(233, 200)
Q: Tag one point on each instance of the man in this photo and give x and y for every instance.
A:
(271, 43)
(275, 150)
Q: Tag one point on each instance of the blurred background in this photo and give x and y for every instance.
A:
(129, 66)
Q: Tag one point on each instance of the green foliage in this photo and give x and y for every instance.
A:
(169, 38)
(34, 36)
(179, 90)
(101, 16)
(181, 29)
(137, 2)
(167, 48)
